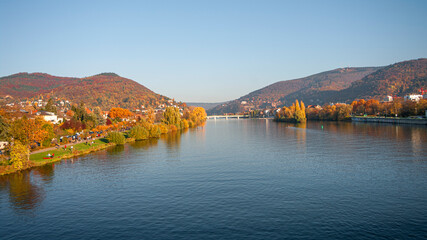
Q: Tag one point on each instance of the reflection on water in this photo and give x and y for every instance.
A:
(173, 139)
(118, 149)
(145, 144)
(24, 193)
(46, 172)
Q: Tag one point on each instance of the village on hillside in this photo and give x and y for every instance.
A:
(60, 112)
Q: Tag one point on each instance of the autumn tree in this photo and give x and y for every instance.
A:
(155, 131)
(120, 113)
(198, 115)
(28, 131)
(151, 116)
(372, 107)
(343, 111)
(396, 107)
(19, 155)
(70, 113)
(299, 114)
(359, 107)
(116, 137)
(172, 116)
(139, 133)
(74, 124)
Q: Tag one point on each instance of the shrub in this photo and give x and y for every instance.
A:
(116, 137)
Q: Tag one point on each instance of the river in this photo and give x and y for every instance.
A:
(231, 179)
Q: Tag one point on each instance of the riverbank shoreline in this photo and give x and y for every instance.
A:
(38, 159)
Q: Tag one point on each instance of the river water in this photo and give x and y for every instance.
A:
(231, 179)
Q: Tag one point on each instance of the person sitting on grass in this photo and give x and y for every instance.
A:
(49, 155)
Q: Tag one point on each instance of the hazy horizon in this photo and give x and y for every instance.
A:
(215, 51)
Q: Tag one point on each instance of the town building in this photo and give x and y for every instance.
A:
(388, 98)
(413, 97)
(50, 117)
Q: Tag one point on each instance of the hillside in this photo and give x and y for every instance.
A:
(104, 90)
(340, 85)
(22, 85)
(285, 92)
(397, 79)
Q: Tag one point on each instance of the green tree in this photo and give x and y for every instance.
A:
(19, 155)
(50, 106)
(80, 112)
(4, 130)
(116, 137)
(50, 134)
(99, 116)
(139, 132)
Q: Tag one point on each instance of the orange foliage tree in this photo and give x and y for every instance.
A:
(117, 112)
(28, 131)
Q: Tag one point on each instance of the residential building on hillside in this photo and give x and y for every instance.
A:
(388, 98)
(3, 144)
(49, 117)
(413, 97)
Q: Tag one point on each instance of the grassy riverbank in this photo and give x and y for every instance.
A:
(37, 159)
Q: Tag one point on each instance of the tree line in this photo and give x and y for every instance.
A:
(297, 112)
(25, 133)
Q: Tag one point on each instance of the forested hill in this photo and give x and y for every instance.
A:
(285, 92)
(23, 85)
(105, 90)
(397, 79)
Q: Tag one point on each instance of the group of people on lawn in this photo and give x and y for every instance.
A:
(71, 148)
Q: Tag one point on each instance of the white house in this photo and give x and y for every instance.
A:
(413, 97)
(49, 117)
(388, 98)
(3, 144)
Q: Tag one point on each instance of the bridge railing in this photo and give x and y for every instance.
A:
(227, 117)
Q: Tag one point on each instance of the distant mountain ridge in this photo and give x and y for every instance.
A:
(104, 90)
(339, 85)
(285, 92)
(204, 105)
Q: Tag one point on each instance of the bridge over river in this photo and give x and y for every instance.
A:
(227, 117)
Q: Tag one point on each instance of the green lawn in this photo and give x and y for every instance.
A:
(61, 153)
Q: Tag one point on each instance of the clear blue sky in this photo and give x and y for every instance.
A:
(207, 50)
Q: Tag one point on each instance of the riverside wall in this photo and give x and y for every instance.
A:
(413, 121)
